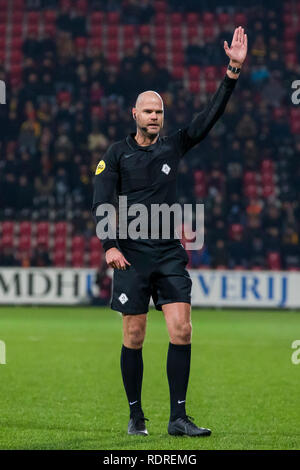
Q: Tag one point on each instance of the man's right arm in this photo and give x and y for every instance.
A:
(105, 191)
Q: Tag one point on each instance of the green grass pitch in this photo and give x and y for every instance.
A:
(61, 387)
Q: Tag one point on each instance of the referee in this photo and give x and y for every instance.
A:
(143, 167)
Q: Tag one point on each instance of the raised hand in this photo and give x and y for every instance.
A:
(238, 50)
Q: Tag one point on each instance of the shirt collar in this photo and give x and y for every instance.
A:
(135, 146)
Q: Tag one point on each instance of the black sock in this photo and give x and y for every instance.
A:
(178, 371)
(132, 373)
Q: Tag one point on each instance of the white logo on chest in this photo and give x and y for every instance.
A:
(123, 298)
(165, 169)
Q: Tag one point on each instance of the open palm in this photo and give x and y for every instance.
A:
(238, 49)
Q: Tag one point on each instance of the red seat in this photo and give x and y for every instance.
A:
(192, 19)
(211, 72)
(60, 243)
(199, 176)
(8, 228)
(112, 45)
(240, 19)
(145, 30)
(43, 241)
(161, 45)
(16, 43)
(77, 259)
(24, 243)
(251, 191)
(160, 6)
(17, 17)
(235, 229)
(192, 32)
(25, 228)
(113, 17)
(17, 29)
(223, 19)
(49, 16)
(290, 46)
(81, 42)
(59, 259)
(113, 57)
(78, 243)
(249, 177)
(16, 57)
(273, 260)
(160, 18)
(50, 28)
(210, 86)
(33, 17)
(128, 31)
(267, 165)
(208, 19)
(176, 32)
(95, 244)
(128, 43)
(95, 259)
(194, 86)
(177, 19)
(96, 43)
(42, 229)
(208, 32)
(178, 72)
(200, 190)
(18, 4)
(97, 17)
(267, 178)
(194, 72)
(7, 241)
(33, 28)
(60, 229)
(268, 190)
(112, 32)
(160, 34)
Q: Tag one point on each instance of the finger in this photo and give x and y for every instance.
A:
(245, 40)
(235, 35)
(127, 262)
(241, 34)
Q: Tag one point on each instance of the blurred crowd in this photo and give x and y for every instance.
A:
(73, 104)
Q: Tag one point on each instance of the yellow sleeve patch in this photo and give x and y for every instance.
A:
(100, 167)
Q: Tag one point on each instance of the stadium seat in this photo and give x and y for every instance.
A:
(60, 229)
(42, 241)
(60, 243)
(199, 176)
(95, 244)
(33, 17)
(250, 177)
(210, 86)
(77, 259)
(95, 259)
(194, 72)
(8, 228)
(25, 228)
(268, 190)
(81, 43)
(24, 243)
(49, 16)
(192, 19)
(78, 243)
(160, 18)
(177, 19)
(178, 72)
(59, 259)
(251, 191)
(208, 19)
(240, 19)
(97, 17)
(200, 190)
(113, 17)
(273, 260)
(223, 19)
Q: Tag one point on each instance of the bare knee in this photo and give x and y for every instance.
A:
(134, 333)
(182, 333)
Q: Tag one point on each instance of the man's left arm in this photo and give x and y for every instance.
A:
(205, 120)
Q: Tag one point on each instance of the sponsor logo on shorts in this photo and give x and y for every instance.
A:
(123, 298)
(166, 169)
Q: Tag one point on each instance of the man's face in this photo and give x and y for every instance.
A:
(149, 114)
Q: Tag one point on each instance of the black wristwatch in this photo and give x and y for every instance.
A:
(233, 69)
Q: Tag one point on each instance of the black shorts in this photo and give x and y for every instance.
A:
(158, 269)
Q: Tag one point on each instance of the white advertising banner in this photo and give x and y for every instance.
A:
(67, 286)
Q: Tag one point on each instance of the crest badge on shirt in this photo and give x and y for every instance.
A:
(100, 167)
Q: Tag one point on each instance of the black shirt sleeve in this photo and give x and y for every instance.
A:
(105, 189)
(200, 126)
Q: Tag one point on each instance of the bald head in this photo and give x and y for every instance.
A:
(148, 97)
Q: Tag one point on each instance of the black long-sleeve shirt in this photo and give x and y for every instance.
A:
(147, 174)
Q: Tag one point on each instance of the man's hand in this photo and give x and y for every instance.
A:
(115, 259)
(238, 49)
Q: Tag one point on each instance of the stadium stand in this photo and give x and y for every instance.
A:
(73, 71)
